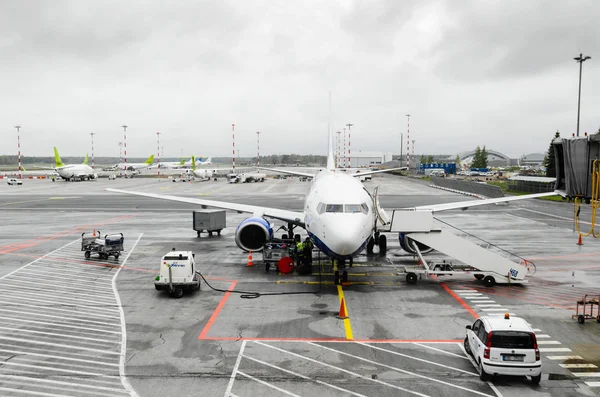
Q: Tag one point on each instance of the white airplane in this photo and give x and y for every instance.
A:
(198, 162)
(134, 166)
(339, 214)
(72, 172)
(168, 165)
(201, 174)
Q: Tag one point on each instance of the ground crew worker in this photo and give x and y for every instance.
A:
(308, 247)
(52, 178)
(299, 253)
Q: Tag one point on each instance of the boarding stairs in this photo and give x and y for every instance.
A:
(487, 258)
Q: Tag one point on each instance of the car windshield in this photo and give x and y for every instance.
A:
(512, 340)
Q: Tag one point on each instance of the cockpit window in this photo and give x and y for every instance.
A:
(352, 208)
(321, 208)
(365, 208)
(334, 208)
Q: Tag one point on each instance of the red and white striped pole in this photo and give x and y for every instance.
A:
(337, 151)
(258, 148)
(92, 135)
(349, 125)
(233, 151)
(18, 127)
(344, 148)
(158, 151)
(408, 142)
(125, 147)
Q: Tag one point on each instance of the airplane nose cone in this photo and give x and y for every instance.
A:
(349, 237)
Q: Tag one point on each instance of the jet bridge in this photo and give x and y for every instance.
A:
(493, 264)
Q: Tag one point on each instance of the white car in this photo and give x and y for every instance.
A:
(504, 345)
(14, 181)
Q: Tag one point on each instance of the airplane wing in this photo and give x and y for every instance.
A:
(297, 173)
(284, 215)
(365, 173)
(475, 203)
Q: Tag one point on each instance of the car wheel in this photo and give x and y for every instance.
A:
(467, 347)
(536, 379)
(482, 374)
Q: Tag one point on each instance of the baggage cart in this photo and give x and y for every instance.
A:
(587, 309)
(209, 220)
(275, 250)
(104, 246)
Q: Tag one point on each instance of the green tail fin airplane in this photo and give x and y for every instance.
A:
(57, 159)
(86, 159)
(150, 160)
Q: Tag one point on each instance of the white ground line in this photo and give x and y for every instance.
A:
(50, 305)
(415, 358)
(33, 393)
(65, 286)
(57, 357)
(52, 276)
(235, 369)
(488, 305)
(41, 367)
(57, 353)
(482, 301)
(51, 334)
(343, 370)
(554, 349)
(592, 384)
(536, 329)
(583, 366)
(268, 384)
(43, 308)
(62, 300)
(564, 357)
(91, 269)
(440, 350)
(548, 342)
(38, 259)
(303, 376)
(495, 309)
(587, 374)
(542, 336)
(64, 387)
(35, 342)
(397, 369)
(123, 354)
(33, 361)
(34, 314)
(50, 294)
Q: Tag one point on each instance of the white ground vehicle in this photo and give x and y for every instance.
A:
(504, 345)
(14, 181)
(177, 273)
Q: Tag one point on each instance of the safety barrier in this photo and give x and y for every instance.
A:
(464, 186)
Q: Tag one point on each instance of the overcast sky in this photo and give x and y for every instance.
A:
(499, 74)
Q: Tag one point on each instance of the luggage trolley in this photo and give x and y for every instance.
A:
(278, 253)
(585, 309)
(110, 244)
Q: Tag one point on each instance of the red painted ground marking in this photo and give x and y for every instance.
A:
(459, 299)
(215, 314)
(9, 248)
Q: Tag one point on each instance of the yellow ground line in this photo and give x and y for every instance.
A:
(347, 325)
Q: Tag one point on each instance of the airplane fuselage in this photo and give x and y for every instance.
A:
(74, 171)
(339, 215)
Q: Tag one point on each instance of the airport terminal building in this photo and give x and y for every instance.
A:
(365, 159)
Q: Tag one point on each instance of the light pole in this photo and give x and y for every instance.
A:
(344, 147)
(337, 162)
(580, 59)
(258, 148)
(408, 141)
(158, 150)
(233, 152)
(401, 147)
(92, 135)
(120, 152)
(413, 148)
(349, 158)
(125, 147)
(18, 127)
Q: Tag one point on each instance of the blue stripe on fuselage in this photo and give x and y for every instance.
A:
(325, 249)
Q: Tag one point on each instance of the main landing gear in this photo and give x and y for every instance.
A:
(379, 240)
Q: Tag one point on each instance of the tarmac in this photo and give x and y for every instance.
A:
(92, 327)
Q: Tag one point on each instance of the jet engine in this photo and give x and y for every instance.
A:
(407, 244)
(252, 233)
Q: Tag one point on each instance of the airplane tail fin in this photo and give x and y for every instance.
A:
(150, 160)
(23, 169)
(208, 161)
(193, 164)
(57, 159)
(330, 155)
(182, 162)
(86, 159)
